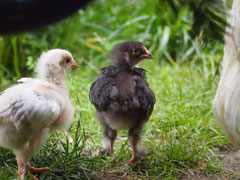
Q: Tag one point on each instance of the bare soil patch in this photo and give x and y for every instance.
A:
(230, 159)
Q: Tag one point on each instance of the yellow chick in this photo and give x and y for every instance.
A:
(31, 110)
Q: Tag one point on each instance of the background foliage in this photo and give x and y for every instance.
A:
(172, 35)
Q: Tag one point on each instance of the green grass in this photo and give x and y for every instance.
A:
(180, 135)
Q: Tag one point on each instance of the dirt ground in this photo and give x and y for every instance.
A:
(230, 158)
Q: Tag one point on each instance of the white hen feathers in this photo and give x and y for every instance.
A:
(227, 100)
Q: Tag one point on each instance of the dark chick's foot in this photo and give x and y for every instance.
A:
(140, 160)
(132, 162)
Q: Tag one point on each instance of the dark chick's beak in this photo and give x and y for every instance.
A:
(74, 64)
(146, 54)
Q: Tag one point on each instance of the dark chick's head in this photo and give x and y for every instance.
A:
(129, 53)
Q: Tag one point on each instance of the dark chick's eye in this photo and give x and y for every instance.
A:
(68, 60)
(135, 51)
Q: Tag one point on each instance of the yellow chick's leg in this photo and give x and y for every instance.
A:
(21, 169)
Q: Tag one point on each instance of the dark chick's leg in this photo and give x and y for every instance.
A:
(134, 137)
(110, 136)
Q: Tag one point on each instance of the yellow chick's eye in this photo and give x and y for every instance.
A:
(68, 60)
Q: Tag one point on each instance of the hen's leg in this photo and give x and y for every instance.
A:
(134, 137)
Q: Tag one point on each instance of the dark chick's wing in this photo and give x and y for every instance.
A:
(103, 91)
(144, 97)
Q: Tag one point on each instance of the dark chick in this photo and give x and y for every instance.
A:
(122, 96)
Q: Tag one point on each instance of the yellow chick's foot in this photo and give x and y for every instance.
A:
(24, 168)
(38, 170)
(32, 176)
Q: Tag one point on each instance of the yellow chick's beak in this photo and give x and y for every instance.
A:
(74, 65)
